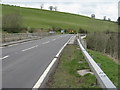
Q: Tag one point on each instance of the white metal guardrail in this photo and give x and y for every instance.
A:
(102, 78)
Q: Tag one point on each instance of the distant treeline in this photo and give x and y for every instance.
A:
(104, 42)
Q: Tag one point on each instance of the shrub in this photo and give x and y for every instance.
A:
(82, 31)
(12, 23)
(104, 42)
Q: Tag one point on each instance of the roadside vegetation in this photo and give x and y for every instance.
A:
(106, 43)
(110, 67)
(66, 75)
(12, 23)
(103, 47)
(29, 19)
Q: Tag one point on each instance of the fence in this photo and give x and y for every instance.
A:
(102, 78)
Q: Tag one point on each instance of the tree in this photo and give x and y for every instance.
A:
(51, 8)
(41, 6)
(109, 19)
(55, 8)
(93, 16)
(119, 21)
(104, 18)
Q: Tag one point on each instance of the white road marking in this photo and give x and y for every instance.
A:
(30, 48)
(4, 57)
(13, 45)
(43, 76)
(26, 42)
(83, 37)
(53, 39)
(46, 42)
(39, 82)
(2, 47)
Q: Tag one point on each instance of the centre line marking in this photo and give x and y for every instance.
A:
(46, 42)
(53, 39)
(30, 48)
(4, 57)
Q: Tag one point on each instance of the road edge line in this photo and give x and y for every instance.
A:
(45, 73)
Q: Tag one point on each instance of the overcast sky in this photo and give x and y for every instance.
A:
(100, 8)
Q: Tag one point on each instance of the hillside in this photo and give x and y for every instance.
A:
(36, 18)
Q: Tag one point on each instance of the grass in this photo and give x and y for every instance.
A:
(36, 18)
(107, 64)
(66, 75)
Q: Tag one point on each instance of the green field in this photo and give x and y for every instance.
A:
(36, 18)
(107, 64)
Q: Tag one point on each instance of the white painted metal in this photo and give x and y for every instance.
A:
(102, 78)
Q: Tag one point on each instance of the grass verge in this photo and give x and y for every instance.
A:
(66, 75)
(107, 65)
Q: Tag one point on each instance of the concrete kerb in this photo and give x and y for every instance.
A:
(20, 41)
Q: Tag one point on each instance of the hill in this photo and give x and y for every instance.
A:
(37, 18)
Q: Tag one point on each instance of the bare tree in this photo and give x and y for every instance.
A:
(55, 8)
(104, 18)
(41, 6)
(109, 19)
(93, 16)
(51, 8)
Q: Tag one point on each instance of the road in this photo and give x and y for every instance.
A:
(24, 63)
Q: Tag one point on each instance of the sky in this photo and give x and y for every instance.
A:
(100, 8)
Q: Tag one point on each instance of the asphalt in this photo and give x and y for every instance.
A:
(24, 63)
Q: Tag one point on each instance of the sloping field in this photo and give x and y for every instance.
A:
(36, 18)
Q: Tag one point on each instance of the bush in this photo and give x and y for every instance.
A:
(82, 31)
(12, 23)
(104, 42)
(57, 29)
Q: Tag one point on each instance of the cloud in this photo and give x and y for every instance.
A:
(60, 0)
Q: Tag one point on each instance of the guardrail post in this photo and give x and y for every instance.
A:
(97, 82)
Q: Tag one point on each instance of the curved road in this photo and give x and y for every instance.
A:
(24, 63)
